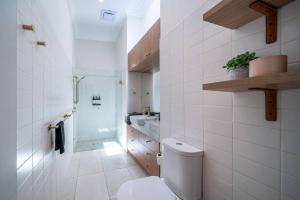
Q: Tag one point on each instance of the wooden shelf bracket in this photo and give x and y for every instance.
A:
(271, 19)
(270, 103)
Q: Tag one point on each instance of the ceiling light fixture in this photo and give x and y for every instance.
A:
(101, 1)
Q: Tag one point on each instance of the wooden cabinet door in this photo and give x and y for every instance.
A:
(145, 48)
(132, 59)
(139, 58)
(155, 37)
(151, 164)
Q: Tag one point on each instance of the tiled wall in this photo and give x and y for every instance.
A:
(122, 63)
(8, 106)
(44, 95)
(246, 157)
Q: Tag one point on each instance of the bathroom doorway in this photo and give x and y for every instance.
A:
(97, 119)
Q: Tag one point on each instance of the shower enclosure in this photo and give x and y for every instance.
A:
(97, 100)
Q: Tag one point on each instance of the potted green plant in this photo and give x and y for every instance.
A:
(238, 67)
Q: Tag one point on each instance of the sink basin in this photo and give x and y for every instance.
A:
(148, 125)
(140, 120)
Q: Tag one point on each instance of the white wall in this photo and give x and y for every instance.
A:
(140, 91)
(8, 87)
(44, 95)
(134, 31)
(246, 157)
(95, 55)
(134, 92)
(59, 16)
(156, 92)
(122, 63)
(137, 27)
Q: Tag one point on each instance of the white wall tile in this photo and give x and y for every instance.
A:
(217, 98)
(217, 155)
(254, 116)
(220, 113)
(253, 188)
(219, 127)
(290, 120)
(43, 94)
(233, 125)
(290, 99)
(218, 141)
(256, 153)
(291, 164)
(290, 186)
(290, 11)
(267, 137)
(291, 30)
(290, 142)
(291, 50)
(265, 175)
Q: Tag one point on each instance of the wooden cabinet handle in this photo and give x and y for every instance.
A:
(148, 141)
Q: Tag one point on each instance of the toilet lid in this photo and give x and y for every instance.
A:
(148, 188)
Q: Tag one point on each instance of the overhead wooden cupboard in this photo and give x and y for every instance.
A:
(144, 56)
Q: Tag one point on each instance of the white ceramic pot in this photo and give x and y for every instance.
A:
(268, 65)
(239, 73)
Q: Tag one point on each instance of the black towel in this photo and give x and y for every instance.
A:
(60, 138)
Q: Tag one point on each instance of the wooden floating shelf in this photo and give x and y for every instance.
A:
(236, 13)
(269, 84)
(281, 81)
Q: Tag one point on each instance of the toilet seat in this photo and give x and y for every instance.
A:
(148, 188)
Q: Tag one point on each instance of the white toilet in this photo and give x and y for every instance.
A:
(181, 172)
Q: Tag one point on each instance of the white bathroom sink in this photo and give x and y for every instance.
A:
(140, 120)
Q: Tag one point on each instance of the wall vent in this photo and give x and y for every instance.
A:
(108, 15)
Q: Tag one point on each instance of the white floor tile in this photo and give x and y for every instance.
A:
(137, 172)
(91, 187)
(95, 174)
(115, 179)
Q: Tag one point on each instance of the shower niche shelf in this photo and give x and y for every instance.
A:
(269, 84)
(96, 101)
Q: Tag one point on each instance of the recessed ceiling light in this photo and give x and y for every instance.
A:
(101, 1)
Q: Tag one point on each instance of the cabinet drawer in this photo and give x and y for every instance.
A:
(132, 150)
(142, 157)
(150, 143)
(132, 135)
(151, 164)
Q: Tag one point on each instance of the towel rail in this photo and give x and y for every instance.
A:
(66, 116)
(51, 126)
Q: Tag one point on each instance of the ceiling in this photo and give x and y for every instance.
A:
(87, 22)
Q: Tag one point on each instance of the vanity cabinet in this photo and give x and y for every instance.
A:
(145, 54)
(144, 150)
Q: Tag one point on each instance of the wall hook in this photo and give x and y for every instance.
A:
(41, 43)
(28, 27)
